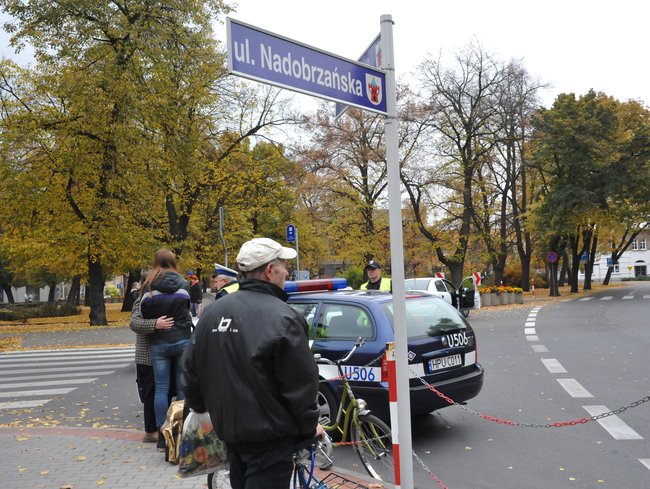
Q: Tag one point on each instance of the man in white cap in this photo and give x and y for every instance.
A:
(249, 365)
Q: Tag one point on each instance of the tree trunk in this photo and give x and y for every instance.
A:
(51, 293)
(75, 289)
(127, 304)
(95, 292)
(6, 287)
(524, 259)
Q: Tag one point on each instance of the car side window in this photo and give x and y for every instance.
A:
(343, 322)
(440, 286)
(308, 311)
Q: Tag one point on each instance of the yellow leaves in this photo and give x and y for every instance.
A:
(100, 482)
(22, 437)
(80, 458)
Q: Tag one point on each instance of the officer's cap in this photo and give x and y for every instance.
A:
(374, 264)
(221, 270)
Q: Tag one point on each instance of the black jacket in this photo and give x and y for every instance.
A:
(169, 296)
(249, 364)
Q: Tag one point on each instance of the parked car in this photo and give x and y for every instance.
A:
(463, 298)
(441, 346)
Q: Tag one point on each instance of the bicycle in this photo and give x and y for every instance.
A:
(370, 436)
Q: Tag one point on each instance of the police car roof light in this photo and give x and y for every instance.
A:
(315, 285)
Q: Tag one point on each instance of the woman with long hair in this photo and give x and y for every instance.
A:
(166, 293)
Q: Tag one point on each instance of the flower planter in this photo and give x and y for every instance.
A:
(486, 300)
(519, 298)
(511, 297)
(503, 298)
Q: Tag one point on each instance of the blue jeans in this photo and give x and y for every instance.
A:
(164, 356)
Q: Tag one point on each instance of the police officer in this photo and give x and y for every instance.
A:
(224, 281)
(375, 281)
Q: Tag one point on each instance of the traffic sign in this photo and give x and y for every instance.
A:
(291, 233)
(477, 278)
(551, 257)
(270, 58)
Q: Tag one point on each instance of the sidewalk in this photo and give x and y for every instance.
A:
(86, 458)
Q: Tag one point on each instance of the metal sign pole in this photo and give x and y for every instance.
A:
(403, 414)
(297, 274)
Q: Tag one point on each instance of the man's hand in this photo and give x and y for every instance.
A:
(164, 322)
(320, 431)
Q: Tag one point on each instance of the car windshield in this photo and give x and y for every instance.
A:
(428, 316)
(417, 283)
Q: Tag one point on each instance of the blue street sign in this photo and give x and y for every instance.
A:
(269, 58)
(371, 56)
(610, 262)
(291, 233)
(551, 257)
(584, 258)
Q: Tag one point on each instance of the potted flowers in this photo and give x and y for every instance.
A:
(519, 295)
(487, 295)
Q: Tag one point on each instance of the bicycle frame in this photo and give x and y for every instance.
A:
(349, 406)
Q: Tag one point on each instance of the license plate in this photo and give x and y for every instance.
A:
(444, 362)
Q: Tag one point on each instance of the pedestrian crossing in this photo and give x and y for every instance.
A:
(33, 378)
(611, 297)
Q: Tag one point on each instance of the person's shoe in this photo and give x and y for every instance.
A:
(161, 445)
(150, 437)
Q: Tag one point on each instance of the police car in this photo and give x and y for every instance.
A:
(464, 297)
(441, 344)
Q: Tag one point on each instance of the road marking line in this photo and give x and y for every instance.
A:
(24, 404)
(585, 299)
(70, 360)
(36, 370)
(46, 383)
(56, 376)
(628, 297)
(529, 331)
(613, 424)
(80, 362)
(40, 392)
(66, 353)
(539, 348)
(607, 298)
(532, 337)
(573, 387)
(646, 462)
(646, 296)
(553, 366)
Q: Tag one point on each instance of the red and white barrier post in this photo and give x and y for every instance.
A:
(392, 404)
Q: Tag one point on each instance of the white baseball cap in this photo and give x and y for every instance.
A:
(259, 251)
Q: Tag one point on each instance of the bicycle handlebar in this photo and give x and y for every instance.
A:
(357, 344)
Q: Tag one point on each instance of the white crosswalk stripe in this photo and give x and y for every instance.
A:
(45, 374)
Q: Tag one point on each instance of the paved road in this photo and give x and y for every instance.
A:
(602, 344)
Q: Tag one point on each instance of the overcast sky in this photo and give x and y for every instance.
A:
(574, 45)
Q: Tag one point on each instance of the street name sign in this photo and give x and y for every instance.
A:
(260, 55)
(372, 57)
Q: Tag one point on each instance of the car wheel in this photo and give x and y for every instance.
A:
(328, 408)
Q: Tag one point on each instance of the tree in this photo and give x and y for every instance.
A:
(576, 143)
(460, 107)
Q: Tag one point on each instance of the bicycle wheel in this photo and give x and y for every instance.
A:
(373, 444)
(219, 479)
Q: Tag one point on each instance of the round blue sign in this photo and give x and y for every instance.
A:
(551, 257)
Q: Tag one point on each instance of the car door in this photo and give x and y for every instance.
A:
(443, 289)
(470, 298)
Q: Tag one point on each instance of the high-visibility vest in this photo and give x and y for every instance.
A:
(234, 287)
(385, 284)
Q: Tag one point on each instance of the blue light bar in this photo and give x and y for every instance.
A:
(337, 283)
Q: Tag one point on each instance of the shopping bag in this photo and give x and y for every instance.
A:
(171, 430)
(201, 450)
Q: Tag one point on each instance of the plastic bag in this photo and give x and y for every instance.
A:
(201, 450)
